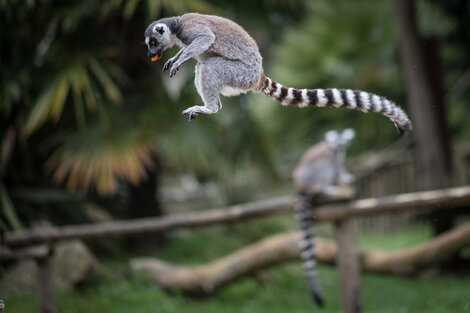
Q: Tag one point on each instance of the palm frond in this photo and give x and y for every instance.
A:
(6, 146)
(110, 88)
(77, 79)
(100, 157)
(8, 210)
(48, 106)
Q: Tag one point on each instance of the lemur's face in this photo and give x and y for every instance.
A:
(339, 140)
(157, 39)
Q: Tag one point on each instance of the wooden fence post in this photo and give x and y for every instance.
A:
(46, 288)
(348, 264)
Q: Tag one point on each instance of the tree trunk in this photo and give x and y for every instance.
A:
(144, 202)
(425, 97)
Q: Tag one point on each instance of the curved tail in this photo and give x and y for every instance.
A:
(347, 98)
(308, 250)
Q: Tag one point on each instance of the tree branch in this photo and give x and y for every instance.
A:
(206, 278)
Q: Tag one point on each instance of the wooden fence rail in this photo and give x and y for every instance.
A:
(427, 200)
(154, 224)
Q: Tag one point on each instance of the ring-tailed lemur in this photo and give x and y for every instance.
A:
(229, 63)
(320, 171)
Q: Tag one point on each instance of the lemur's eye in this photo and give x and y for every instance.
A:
(153, 43)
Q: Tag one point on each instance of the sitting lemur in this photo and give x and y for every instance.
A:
(319, 172)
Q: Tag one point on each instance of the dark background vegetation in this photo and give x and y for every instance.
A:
(86, 120)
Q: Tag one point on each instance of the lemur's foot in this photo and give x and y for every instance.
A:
(191, 113)
(192, 116)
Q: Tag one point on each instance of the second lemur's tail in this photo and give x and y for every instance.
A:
(347, 98)
(307, 248)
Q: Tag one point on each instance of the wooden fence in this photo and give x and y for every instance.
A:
(39, 243)
(393, 171)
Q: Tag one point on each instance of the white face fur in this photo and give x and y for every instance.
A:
(161, 32)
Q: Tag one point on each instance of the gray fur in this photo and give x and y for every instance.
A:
(322, 167)
(229, 62)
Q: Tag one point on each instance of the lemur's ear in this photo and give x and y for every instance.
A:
(331, 136)
(348, 134)
(159, 29)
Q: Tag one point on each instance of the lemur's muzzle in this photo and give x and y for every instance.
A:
(154, 56)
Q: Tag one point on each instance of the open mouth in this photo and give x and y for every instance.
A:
(156, 56)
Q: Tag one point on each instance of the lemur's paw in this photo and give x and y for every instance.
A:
(174, 67)
(168, 64)
(191, 113)
(192, 116)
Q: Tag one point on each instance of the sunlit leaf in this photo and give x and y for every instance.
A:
(129, 8)
(106, 82)
(49, 105)
(6, 146)
(8, 210)
(101, 157)
(154, 7)
(76, 78)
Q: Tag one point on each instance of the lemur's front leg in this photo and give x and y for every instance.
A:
(198, 46)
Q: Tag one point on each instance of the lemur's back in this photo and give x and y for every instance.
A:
(231, 40)
(315, 170)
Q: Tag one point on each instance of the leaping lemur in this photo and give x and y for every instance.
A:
(320, 171)
(229, 62)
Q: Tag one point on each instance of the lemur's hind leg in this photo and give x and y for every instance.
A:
(207, 83)
(214, 75)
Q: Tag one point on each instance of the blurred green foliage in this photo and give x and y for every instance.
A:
(353, 44)
(82, 109)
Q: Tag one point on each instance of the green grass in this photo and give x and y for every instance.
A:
(285, 292)
(408, 237)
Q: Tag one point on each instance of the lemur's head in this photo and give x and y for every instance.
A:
(159, 36)
(339, 140)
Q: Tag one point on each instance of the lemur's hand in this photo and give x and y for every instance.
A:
(174, 67)
(168, 64)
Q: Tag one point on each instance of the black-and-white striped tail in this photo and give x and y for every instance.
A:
(340, 98)
(307, 249)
